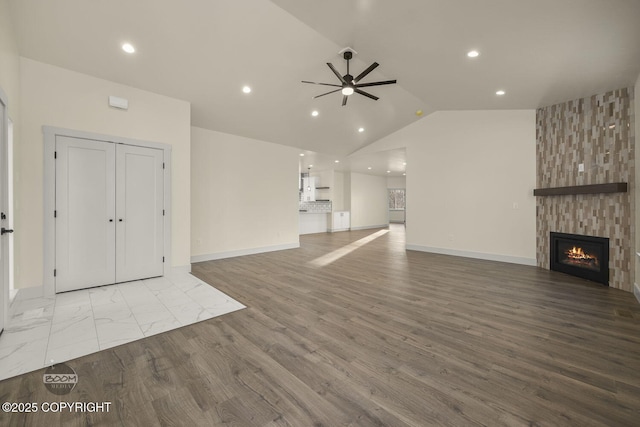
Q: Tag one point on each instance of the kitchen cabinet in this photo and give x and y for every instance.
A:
(340, 221)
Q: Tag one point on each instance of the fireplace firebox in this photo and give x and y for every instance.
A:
(581, 256)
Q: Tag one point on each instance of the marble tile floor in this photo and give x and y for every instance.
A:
(55, 329)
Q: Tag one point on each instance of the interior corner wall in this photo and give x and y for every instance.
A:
(470, 181)
(369, 204)
(244, 195)
(62, 98)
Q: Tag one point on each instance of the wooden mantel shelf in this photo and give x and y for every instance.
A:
(614, 187)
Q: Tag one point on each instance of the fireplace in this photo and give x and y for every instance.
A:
(581, 256)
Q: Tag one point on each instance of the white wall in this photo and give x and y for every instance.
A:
(244, 195)
(324, 179)
(58, 97)
(466, 171)
(369, 205)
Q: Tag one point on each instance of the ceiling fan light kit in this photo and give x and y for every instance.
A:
(348, 84)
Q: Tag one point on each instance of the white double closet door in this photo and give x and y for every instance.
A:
(109, 213)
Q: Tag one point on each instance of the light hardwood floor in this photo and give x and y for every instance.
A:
(379, 336)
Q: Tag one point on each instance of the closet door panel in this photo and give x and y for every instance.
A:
(85, 213)
(139, 213)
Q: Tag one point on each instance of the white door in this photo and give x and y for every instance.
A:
(140, 215)
(4, 283)
(85, 213)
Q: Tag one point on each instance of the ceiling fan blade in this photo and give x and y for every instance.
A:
(365, 72)
(336, 72)
(323, 84)
(326, 93)
(344, 100)
(386, 82)
(368, 95)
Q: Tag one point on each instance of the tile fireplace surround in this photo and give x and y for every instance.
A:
(597, 132)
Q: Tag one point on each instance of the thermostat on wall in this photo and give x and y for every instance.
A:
(120, 103)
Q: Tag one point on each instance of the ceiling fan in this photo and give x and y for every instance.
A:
(348, 84)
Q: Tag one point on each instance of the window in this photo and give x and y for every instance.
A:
(397, 199)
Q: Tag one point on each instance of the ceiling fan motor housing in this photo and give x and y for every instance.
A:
(349, 84)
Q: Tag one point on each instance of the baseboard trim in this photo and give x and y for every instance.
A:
(243, 252)
(180, 269)
(367, 227)
(477, 255)
(636, 291)
(23, 294)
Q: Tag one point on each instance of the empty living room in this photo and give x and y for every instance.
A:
(296, 213)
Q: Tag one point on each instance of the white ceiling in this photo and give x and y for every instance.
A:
(204, 51)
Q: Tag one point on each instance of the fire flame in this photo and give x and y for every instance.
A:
(578, 254)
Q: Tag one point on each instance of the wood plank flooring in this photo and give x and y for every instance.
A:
(378, 337)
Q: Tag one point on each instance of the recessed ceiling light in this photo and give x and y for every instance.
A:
(473, 54)
(404, 174)
(404, 164)
(246, 89)
(301, 154)
(388, 171)
(310, 166)
(336, 161)
(369, 168)
(500, 92)
(128, 47)
(314, 113)
(360, 130)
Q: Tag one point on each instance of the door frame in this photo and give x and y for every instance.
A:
(50, 134)
(4, 243)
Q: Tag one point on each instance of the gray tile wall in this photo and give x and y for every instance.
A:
(599, 132)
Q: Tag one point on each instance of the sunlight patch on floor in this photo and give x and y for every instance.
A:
(327, 259)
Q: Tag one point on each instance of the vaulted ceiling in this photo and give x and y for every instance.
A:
(539, 52)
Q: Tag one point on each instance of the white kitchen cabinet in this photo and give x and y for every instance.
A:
(340, 221)
(108, 213)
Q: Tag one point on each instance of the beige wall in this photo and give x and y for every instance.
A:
(368, 201)
(10, 67)
(338, 192)
(467, 170)
(396, 182)
(58, 97)
(244, 195)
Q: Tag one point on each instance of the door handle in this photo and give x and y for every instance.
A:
(110, 219)
(120, 220)
(5, 231)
